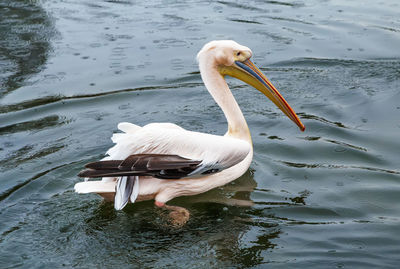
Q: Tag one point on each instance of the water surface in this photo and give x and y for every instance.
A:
(326, 198)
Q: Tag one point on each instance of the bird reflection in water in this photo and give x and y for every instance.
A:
(221, 220)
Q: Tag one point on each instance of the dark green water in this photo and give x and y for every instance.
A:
(326, 198)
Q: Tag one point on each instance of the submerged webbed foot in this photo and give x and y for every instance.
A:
(177, 216)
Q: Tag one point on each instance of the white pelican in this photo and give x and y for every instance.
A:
(162, 161)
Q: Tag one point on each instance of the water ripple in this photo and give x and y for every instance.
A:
(338, 166)
(59, 98)
(46, 122)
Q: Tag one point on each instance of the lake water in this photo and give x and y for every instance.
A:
(327, 198)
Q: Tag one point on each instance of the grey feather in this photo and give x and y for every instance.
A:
(135, 191)
(123, 191)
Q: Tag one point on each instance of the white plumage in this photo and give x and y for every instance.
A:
(221, 159)
(215, 152)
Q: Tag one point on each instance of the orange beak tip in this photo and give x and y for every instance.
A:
(301, 126)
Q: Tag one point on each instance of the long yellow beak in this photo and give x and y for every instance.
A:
(249, 73)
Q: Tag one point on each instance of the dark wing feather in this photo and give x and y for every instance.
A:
(162, 166)
(103, 165)
(110, 173)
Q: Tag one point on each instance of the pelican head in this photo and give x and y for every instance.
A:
(232, 59)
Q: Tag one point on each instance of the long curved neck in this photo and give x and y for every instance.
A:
(218, 88)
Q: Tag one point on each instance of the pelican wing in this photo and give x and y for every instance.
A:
(157, 165)
(167, 151)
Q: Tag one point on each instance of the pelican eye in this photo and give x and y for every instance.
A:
(238, 53)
